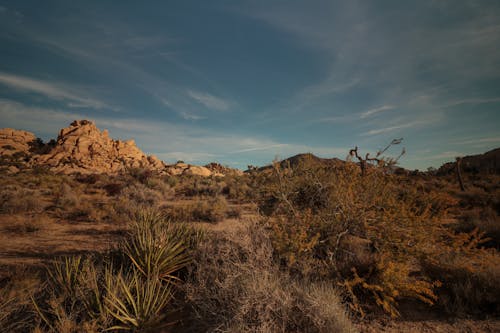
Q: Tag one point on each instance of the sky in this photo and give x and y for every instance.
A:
(244, 82)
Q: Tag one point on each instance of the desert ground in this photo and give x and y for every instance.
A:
(301, 245)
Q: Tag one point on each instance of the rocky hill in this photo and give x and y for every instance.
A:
(487, 163)
(82, 148)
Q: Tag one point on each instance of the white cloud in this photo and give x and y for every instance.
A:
(481, 141)
(168, 141)
(265, 147)
(392, 128)
(35, 119)
(371, 112)
(472, 101)
(209, 101)
(190, 116)
(50, 90)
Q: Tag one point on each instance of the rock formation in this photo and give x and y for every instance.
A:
(221, 170)
(15, 141)
(83, 148)
(187, 169)
(487, 163)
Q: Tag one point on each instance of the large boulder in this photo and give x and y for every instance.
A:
(198, 171)
(182, 168)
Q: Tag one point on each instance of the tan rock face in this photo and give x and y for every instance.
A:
(187, 169)
(198, 171)
(220, 170)
(13, 141)
(82, 147)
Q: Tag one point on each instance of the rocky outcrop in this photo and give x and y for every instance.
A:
(187, 169)
(83, 148)
(15, 141)
(487, 163)
(221, 170)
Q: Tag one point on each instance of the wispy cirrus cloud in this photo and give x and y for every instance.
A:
(373, 111)
(264, 147)
(188, 143)
(472, 101)
(479, 141)
(190, 116)
(209, 101)
(51, 91)
(393, 128)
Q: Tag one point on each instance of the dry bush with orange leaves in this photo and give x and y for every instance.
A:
(370, 233)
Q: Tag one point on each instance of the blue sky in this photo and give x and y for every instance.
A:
(241, 82)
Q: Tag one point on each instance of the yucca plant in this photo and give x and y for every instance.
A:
(137, 303)
(156, 248)
(65, 275)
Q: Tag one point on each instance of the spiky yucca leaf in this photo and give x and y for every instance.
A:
(136, 303)
(66, 273)
(156, 248)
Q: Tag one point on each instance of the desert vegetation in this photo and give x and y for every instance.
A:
(302, 245)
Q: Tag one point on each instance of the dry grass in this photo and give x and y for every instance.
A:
(15, 200)
(234, 286)
(244, 278)
(204, 209)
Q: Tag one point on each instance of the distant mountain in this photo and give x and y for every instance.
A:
(487, 163)
(300, 159)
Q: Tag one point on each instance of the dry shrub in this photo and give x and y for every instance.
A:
(26, 224)
(470, 275)
(141, 194)
(140, 174)
(90, 179)
(113, 189)
(15, 200)
(192, 186)
(16, 312)
(202, 210)
(237, 187)
(485, 220)
(234, 286)
(67, 196)
(71, 204)
(314, 207)
(477, 197)
(122, 209)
